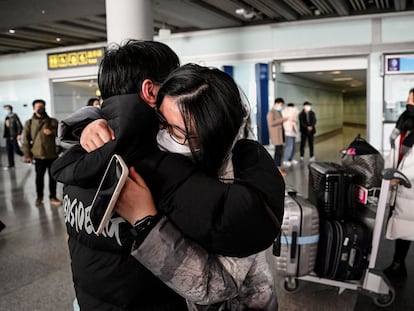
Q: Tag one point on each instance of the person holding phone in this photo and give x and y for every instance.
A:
(246, 222)
(184, 105)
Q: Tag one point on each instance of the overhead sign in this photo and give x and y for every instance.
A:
(73, 59)
(403, 63)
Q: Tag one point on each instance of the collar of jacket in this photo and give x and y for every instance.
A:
(134, 123)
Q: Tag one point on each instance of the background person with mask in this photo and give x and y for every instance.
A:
(275, 126)
(12, 131)
(39, 146)
(307, 122)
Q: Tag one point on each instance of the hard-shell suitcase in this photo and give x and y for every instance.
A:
(296, 248)
(330, 189)
(343, 251)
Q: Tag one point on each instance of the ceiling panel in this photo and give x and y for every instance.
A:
(44, 24)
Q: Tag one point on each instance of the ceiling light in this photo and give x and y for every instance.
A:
(12, 30)
(336, 72)
(164, 32)
(58, 39)
(247, 14)
(342, 79)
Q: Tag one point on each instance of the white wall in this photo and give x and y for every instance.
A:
(355, 108)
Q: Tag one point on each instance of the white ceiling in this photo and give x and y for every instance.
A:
(38, 23)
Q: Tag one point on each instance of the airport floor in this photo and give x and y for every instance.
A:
(35, 266)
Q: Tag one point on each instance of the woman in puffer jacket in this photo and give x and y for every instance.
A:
(207, 281)
(401, 224)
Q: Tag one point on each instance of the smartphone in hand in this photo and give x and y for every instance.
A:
(108, 192)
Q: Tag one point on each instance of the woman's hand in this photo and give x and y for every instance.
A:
(96, 134)
(394, 182)
(135, 201)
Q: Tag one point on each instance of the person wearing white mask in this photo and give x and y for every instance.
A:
(307, 122)
(12, 131)
(201, 115)
(275, 126)
(228, 219)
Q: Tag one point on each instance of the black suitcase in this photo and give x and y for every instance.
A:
(343, 250)
(331, 189)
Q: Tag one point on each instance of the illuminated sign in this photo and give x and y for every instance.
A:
(73, 59)
(403, 63)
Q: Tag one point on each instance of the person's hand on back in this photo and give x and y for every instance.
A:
(96, 134)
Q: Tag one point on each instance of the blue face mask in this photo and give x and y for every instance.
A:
(7, 111)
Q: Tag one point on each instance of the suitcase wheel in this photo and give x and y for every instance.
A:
(385, 300)
(290, 284)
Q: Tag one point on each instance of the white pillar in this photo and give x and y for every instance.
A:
(129, 19)
(375, 100)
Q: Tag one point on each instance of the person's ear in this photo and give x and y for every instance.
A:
(149, 92)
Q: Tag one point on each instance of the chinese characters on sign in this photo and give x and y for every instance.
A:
(74, 59)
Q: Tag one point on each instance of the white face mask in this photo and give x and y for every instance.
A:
(308, 108)
(166, 143)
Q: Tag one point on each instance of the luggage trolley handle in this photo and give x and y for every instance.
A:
(387, 175)
(392, 173)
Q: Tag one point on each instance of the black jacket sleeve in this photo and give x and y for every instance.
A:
(228, 219)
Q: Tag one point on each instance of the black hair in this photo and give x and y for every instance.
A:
(279, 100)
(307, 104)
(91, 101)
(291, 105)
(8, 106)
(38, 101)
(124, 67)
(210, 102)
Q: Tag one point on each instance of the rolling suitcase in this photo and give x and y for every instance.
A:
(343, 251)
(331, 189)
(296, 248)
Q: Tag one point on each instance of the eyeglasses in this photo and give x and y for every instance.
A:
(178, 134)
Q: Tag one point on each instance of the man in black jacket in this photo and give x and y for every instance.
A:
(307, 122)
(12, 130)
(105, 275)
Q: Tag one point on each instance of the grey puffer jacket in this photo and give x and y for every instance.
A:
(207, 280)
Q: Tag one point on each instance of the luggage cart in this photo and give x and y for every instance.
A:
(374, 283)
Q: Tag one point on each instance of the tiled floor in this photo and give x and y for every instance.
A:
(34, 260)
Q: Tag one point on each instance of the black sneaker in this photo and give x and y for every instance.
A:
(396, 270)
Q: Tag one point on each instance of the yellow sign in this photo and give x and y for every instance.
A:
(75, 59)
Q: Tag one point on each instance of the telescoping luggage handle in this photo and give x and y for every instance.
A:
(387, 175)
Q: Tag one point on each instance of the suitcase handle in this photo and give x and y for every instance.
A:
(294, 244)
(277, 245)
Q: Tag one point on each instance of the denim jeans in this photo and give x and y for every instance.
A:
(289, 148)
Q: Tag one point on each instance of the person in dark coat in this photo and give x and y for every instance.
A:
(104, 273)
(12, 131)
(307, 122)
